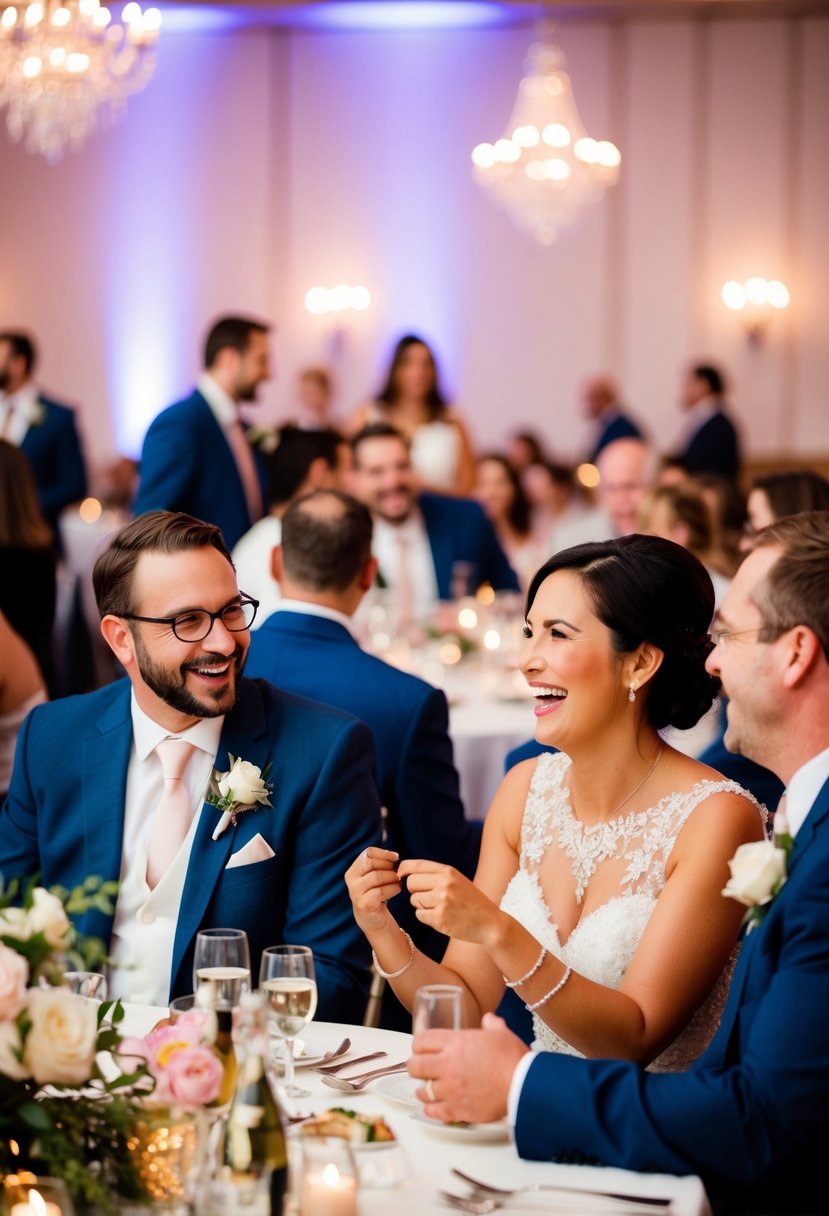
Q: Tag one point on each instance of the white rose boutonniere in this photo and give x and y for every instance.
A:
(758, 874)
(242, 788)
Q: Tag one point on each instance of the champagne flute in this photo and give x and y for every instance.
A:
(437, 1007)
(287, 978)
(222, 959)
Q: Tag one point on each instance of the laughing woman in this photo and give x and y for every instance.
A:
(597, 897)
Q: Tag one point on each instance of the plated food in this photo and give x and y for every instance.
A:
(348, 1125)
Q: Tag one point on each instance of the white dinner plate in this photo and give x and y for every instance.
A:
(399, 1088)
(464, 1131)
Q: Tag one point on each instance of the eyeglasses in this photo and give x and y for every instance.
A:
(194, 626)
(721, 636)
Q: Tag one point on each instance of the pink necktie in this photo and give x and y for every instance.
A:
(174, 812)
(405, 585)
(246, 464)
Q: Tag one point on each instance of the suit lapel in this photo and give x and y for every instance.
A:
(105, 759)
(244, 734)
(440, 542)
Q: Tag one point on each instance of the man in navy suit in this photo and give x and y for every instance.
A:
(440, 548)
(600, 396)
(325, 567)
(751, 1116)
(711, 441)
(89, 782)
(44, 430)
(196, 457)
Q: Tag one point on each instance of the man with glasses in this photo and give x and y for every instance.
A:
(751, 1116)
(113, 783)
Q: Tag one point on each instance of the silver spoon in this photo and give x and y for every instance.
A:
(340, 1051)
(503, 1193)
(354, 1087)
(330, 1069)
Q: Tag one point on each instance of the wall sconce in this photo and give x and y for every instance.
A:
(337, 299)
(756, 300)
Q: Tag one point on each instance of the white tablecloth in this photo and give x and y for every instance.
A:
(430, 1155)
(483, 730)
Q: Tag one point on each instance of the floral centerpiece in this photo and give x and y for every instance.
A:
(63, 1111)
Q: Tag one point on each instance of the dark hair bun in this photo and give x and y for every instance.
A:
(682, 690)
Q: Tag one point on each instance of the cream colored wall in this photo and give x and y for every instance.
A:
(259, 164)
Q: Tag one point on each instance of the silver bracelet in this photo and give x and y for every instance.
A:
(548, 996)
(392, 975)
(530, 973)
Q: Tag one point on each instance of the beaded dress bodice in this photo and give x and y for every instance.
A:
(603, 942)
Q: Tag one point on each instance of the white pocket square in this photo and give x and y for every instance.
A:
(255, 850)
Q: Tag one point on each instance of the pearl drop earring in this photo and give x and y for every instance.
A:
(632, 693)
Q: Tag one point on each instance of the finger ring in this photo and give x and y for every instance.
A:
(430, 1090)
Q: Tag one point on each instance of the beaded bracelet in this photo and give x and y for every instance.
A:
(530, 973)
(392, 975)
(549, 995)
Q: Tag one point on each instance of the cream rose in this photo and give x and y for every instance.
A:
(758, 870)
(60, 1045)
(10, 1063)
(243, 784)
(14, 922)
(14, 976)
(47, 916)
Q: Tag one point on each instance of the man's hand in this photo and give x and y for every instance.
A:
(467, 1072)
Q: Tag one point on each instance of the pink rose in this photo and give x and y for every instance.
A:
(194, 1075)
(14, 975)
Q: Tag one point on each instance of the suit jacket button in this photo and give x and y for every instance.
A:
(147, 918)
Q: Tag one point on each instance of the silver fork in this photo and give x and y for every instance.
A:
(329, 1069)
(482, 1205)
(502, 1194)
(355, 1084)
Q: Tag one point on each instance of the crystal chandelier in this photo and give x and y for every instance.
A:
(65, 67)
(546, 167)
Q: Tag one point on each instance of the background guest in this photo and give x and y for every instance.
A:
(626, 473)
(196, 457)
(779, 494)
(325, 567)
(710, 443)
(27, 560)
(602, 406)
(553, 496)
(680, 513)
(314, 391)
(21, 689)
(411, 400)
(727, 508)
(499, 491)
(525, 448)
(42, 428)
(296, 461)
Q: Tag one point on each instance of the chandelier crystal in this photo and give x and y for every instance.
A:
(66, 67)
(546, 167)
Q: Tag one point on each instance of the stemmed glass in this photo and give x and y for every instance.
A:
(222, 959)
(287, 978)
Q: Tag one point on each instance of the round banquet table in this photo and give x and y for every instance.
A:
(424, 1156)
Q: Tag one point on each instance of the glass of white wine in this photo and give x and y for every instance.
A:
(287, 978)
(222, 959)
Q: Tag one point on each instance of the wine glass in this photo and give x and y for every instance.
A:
(287, 978)
(222, 959)
(91, 984)
(437, 1007)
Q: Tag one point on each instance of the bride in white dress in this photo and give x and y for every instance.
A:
(598, 894)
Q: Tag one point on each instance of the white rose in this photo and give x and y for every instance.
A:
(14, 922)
(243, 784)
(10, 1063)
(14, 976)
(48, 916)
(60, 1046)
(756, 869)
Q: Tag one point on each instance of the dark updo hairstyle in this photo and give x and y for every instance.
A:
(646, 589)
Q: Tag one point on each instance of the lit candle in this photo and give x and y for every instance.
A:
(36, 1206)
(328, 1193)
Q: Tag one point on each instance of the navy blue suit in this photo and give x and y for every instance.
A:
(187, 465)
(53, 449)
(617, 426)
(751, 1116)
(64, 819)
(459, 531)
(416, 776)
(714, 448)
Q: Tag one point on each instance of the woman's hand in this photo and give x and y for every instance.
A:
(449, 902)
(372, 881)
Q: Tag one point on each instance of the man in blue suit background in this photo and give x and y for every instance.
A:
(751, 1116)
(89, 784)
(711, 440)
(325, 567)
(196, 457)
(430, 547)
(43, 429)
(600, 395)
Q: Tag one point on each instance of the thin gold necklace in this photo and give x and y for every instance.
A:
(638, 787)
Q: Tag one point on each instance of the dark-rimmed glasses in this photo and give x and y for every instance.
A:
(194, 626)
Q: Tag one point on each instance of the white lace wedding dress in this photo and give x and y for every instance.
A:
(604, 941)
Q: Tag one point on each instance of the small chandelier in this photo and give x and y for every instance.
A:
(65, 67)
(546, 167)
